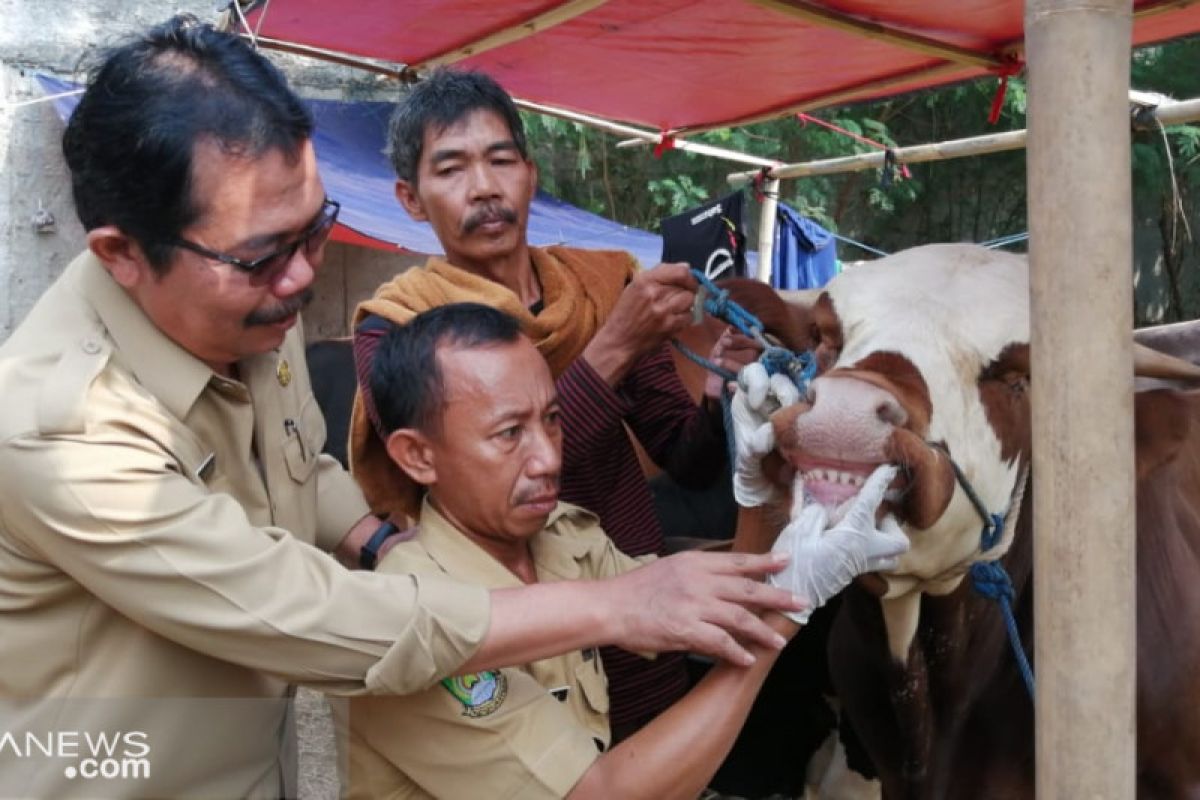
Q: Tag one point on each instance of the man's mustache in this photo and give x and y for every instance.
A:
(269, 316)
(493, 213)
(527, 494)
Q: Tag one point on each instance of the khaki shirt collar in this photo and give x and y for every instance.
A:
(555, 555)
(170, 373)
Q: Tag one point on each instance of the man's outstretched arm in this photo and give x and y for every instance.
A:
(704, 602)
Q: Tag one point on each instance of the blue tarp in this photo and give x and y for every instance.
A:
(349, 141)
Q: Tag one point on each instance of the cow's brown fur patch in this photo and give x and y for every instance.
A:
(897, 376)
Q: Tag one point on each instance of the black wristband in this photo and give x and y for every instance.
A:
(369, 555)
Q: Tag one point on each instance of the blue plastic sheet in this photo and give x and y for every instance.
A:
(349, 141)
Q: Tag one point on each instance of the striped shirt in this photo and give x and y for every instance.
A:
(601, 473)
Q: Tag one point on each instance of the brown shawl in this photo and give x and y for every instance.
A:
(579, 290)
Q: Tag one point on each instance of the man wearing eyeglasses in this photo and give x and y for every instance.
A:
(161, 482)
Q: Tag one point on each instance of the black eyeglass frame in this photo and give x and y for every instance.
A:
(325, 220)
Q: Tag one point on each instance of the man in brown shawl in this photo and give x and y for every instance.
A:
(459, 150)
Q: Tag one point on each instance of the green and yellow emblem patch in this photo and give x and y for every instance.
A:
(480, 693)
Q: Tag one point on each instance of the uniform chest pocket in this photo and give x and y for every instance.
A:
(305, 439)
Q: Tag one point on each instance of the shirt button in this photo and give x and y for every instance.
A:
(90, 346)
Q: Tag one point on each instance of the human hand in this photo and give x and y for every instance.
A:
(703, 602)
(655, 306)
(732, 351)
(823, 562)
(757, 397)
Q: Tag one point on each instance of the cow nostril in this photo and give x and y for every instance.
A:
(891, 412)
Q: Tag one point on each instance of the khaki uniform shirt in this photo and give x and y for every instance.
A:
(156, 532)
(524, 732)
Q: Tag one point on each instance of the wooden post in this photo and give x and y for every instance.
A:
(766, 228)
(1078, 54)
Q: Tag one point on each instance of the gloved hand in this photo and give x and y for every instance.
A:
(823, 562)
(757, 397)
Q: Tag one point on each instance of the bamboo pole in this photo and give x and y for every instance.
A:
(766, 228)
(1170, 113)
(1082, 400)
(408, 73)
(939, 151)
(649, 137)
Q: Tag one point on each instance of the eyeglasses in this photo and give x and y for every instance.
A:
(267, 268)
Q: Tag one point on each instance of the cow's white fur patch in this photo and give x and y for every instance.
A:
(950, 310)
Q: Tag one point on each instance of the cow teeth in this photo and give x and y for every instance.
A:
(833, 476)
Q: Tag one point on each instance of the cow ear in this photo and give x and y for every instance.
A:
(1011, 367)
(1004, 392)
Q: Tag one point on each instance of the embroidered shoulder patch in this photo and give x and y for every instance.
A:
(481, 693)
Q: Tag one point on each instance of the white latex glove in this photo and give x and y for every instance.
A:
(823, 562)
(757, 397)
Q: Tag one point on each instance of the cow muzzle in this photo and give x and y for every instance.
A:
(848, 427)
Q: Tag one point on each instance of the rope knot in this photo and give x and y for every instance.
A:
(990, 580)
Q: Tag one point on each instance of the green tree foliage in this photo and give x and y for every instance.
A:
(971, 199)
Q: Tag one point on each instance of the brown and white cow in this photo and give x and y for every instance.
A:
(922, 354)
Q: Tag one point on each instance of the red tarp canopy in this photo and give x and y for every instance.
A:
(680, 64)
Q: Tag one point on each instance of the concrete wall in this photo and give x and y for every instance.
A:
(56, 37)
(32, 176)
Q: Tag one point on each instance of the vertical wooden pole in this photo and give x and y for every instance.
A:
(766, 228)
(1081, 292)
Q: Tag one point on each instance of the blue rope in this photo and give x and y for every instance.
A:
(1004, 241)
(717, 303)
(799, 367)
(726, 400)
(990, 580)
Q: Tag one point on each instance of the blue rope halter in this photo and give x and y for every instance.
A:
(799, 367)
(989, 578)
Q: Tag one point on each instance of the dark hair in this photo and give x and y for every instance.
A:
(439, 101)
(406, 383)
(130, 142)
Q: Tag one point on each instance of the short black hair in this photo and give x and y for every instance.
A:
(130, 142)
(439, 101)
(406, 382)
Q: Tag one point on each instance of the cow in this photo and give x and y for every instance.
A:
(924, 363)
